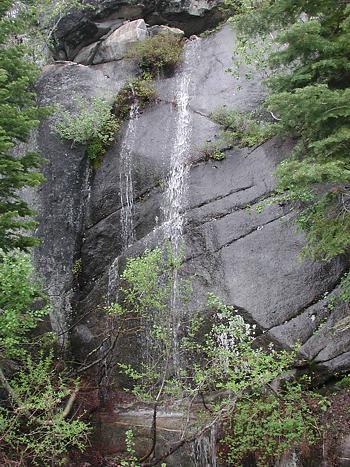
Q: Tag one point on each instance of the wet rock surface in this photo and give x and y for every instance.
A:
(249, 258)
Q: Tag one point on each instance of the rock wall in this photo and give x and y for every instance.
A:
(249, 258)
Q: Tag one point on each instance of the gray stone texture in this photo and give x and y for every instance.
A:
(82, 28)
(249, 258)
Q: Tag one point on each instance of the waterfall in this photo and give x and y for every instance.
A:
(175, 195)
(113, 282)
(126, 199)
(126, 180)
(179, 167)
(204, 450)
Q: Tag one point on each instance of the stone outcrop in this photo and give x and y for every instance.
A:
(114, 45)
(82, 28)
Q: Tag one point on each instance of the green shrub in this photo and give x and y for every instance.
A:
(35, 423)
(35, 430)
(140, 90)
(157, 54)
(242, 128)
(18, 316)
(266, 425)
(91, 119)
(213, 151)
(93, 124)
(95, 149)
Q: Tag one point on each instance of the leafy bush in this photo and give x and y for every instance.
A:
(267, 425)
(137, 90)
(34, 425)
(90, 120)
(18, 315)
(35, 429)
(93, 124)
(157, 54)
(96, 123)
(241, 128)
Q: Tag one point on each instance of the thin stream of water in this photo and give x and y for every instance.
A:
(175, 196)
(126, 179)
(126, 198)
(204, 450)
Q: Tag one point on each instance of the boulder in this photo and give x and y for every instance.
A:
(84, 27)
(161, 29)
(117, 43)
(114, 45)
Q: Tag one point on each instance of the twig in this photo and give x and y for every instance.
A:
(274, 117)
(70, 403)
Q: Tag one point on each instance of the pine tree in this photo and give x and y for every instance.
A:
(310, 96)
(19, 114)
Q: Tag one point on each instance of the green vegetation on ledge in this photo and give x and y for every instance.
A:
(96, 123)
(157, 54)
(242, 128)
(137, 90)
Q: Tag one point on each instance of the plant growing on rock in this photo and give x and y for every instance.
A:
(138, 90)
(89, 120)
(96, 122)
(213, 151)
(242, 128)
(157, 54)
(92, 123)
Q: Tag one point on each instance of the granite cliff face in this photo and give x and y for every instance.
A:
(250, 259)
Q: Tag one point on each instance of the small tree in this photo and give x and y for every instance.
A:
(309, 99)
(209, 364)
(19, 114)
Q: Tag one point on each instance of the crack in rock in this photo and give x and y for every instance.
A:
(313, 302)
(217, 198)
(191, 258)
(238, 207)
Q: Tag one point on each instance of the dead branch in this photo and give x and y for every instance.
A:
(70, 403)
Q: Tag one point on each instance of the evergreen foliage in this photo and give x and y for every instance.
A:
(310, 95)
(19, 114)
